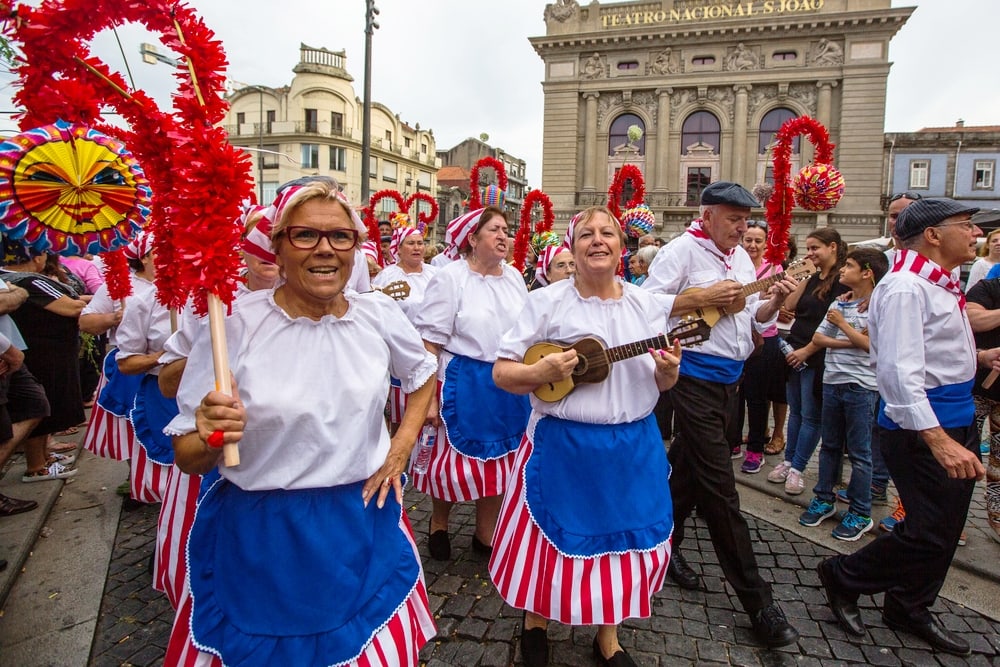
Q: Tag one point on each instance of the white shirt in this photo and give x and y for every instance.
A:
(919, 339)
(559, 314)
(359, 281)
(145, 324)
(683, 263)
(417, 281)
(8, 328)
(978, 271)
(468, 313)
(102, 304)
(314, 391)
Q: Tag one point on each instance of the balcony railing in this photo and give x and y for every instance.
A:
(655, 200)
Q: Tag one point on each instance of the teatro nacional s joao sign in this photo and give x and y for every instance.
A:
(722, 10)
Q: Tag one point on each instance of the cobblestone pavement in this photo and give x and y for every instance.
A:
(475, 627)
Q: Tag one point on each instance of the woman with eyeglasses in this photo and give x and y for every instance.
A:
(989, 256)
(555, 263)
(763, 384)
(302, 554)
(810, 302)
(470, 303)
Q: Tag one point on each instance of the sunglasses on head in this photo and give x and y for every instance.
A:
(760, 224)
(912, 196)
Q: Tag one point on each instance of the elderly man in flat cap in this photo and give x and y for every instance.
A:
(925, 425)
(709, 256)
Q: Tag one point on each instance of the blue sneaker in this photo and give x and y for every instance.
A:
(889, 523)
(818, 510)
(852, 527)
(842, 496)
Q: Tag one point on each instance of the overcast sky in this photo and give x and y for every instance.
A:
(466, 67)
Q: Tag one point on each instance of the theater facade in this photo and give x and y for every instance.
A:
(710, 82)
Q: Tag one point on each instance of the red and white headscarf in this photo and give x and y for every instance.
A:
(370, 250)
(399, 235)
(570, 230)
(140, 246)
(277, 209)
(544, 260)
(458, 231)
(257, 242)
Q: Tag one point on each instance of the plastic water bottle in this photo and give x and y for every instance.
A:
(425, 445)
(786, 349)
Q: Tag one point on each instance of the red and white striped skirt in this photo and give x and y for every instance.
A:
(530, 573)
(147, 479)
(455, 477)
(396, 643)
(397, 404)
(172, 528)
(108, 436)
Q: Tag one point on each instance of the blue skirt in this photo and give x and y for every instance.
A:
(118, 395)
(483, 421)
(304, 577)
(597, 489)
(150, 414)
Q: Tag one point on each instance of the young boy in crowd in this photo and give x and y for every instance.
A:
(849, 397)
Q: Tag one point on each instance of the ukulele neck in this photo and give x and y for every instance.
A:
(762, 284)
(630, 350)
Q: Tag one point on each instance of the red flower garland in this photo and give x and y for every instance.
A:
(116, 275)
(628, 172)
(475, 200)
(426, 217)
(523, 237)
(371, 221)
(779, 206)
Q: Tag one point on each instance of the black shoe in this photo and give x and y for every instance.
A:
(772, 628)
(479, 547)
(439, 545)
(11, 506)
(619, 659)
(844, 607)
(939, 637)
(534, 647)
(681, 572)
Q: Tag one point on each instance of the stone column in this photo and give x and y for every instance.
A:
(590, 143)
(662, 135)
(824, 102)
(740, 132)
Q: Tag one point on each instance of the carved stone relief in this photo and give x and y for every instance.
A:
(826, 54)
(724, 97)
(665, 62)
(804, 94)
(605, 103)
(647, 101)
(741, 59)
(677, 100)
(561, 11)
(594, 67)
(758, 96)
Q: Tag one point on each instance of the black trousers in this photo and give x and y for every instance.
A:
(702, 477)
(911, 562)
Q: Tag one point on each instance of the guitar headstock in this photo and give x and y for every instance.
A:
(398, 290)
(690, 331)
(800, 270)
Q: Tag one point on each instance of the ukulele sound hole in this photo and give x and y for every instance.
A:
(581, 365)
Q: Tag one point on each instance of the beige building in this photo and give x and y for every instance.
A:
(313, 126)
(710, 82)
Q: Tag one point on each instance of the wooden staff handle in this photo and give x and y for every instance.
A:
(220, 361)
(990, 379)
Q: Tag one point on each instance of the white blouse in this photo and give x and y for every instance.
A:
(102, 304)
(557, 314)
(314, 391)
(417, 281)
(145, 324)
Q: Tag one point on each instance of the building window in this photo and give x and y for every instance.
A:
(769, 126)
(388, 137)
(983, 174)
(698, 178)
(703, 60)
(372, 167)
(270, 120)
(627, 65)
(310, 156)
(407, 142)
(424, 180)
(240, 118)
(701, 127)
(455, 211)
(312, 120)
(336, 123)
(338, 159)
(423, 149)
(269, 158)
(618, 140)
(784, 55)
(269, 191)
(388, 171)
(919, 172)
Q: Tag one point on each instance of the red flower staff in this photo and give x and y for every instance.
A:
(523, 237)
(426, 217)
(371, 222)
(495, 198)
(628, 172)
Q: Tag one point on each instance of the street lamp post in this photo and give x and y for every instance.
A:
(371, 25)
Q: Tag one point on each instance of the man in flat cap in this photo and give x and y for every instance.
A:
(710, 257)
(925, 425)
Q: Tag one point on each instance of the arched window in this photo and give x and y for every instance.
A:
(618, 134)
(769, 126)
(701, 127)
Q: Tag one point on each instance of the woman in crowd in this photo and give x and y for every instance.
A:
(810, 303)
(469, 305)
(48, 323)
(638, 263)
(584, 533)
(555, 263)
(989, 256)
(763, 379)
(314, 455)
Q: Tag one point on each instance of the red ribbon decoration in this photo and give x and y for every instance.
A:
(371, 222)
(426, 217)
(628, 172)
(475, 200)
(523, 237)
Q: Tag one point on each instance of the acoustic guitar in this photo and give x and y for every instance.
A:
(798, 271)
(594, 359)
(397, 289)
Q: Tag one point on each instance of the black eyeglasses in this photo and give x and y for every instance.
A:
(912, 196)
(307, 238)
(760, 224)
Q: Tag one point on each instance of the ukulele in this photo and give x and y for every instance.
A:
(397, 289)
(798, 271)
(594, 359)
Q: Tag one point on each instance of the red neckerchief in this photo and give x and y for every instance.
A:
(706, 242)
(909, 260)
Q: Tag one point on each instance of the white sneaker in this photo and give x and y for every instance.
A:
(794, 484)
(53, 470)
(780, 472)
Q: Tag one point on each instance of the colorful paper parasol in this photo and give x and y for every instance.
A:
(71, 190)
